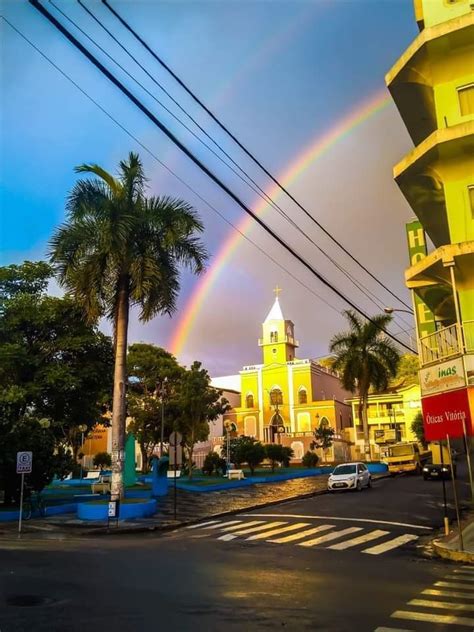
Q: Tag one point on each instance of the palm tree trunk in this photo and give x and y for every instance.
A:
(120, 378)
(365, 424)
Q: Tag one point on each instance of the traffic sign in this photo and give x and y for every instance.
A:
(175, 439)
(24, 462)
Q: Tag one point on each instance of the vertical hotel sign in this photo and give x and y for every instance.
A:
(417, 251)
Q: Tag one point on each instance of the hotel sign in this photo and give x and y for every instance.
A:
(416, 252)
(444, 414)
(442, 377)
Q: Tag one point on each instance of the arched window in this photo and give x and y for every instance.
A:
(302, 395)
(324, 423)
(249, 400)
(274, 336)
(276, 396)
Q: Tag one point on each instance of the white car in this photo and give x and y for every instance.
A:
(349, 476)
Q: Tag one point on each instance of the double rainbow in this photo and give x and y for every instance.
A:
(374, 104)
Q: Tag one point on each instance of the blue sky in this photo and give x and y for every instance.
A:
(278, 74)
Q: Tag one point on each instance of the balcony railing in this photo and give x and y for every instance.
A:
(275, 340)
(442, 344)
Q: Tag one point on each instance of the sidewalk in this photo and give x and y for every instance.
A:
(449, 547)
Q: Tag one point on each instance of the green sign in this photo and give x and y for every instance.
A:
(417, 251)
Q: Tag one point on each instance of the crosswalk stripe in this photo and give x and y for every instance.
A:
(330, 536)
(268, 534)
(464, 571)
(441, 604)
(203, 524)
(392, 630)
(302, 534)
(242, 524)
(227, 536)
(468, 567)
(390, 544)
(442, 584)
(432, 618)
(346, 544)
(447, 593)
(268, 525)
(460, 578)
(224, 525)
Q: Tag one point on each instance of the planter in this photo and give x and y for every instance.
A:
(128, 510)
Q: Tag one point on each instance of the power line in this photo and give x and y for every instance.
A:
(256, 188)
(246, 151)
(39, 7)
(166, 167)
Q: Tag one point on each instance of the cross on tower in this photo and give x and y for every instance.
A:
(277, 291)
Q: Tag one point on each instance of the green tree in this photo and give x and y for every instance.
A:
(102, 460)
(418, 429)
(323, 438)
(213, 463)
(119, 249)
(310, 459)
(248, 450)
(275, 453)
(407, 372)
(366, 358)
(197, 404)
(53, 366)
(153, 380)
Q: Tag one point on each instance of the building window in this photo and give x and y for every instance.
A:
(274, 350)
(324, 423)
(276, 397)
(250, 427)
(274, 336)
(249, 400)
(302, 396)
(303, 422)
(470, 190)
(466, 99)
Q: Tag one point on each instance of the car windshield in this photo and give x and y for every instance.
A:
(344, 469)
(401, 450)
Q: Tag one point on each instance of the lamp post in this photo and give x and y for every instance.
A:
(390, 310)
(82, 429)
(163, 391)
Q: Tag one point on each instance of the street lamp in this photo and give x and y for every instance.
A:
(82, 429)
(390, 310)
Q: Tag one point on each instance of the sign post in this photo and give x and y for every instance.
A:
(468, 457)
(24, 465)
(445, 504)
(113, 511)
(455, 493)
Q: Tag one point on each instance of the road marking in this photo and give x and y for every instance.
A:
(447, 593)
(302, 534)
(267, 534)
(441, 604)
(305, 517)
(433, 618)
(242, 524)
(330, 536)
(203, 524)
(392, 630)
(372, 535)
(224, 524)
(227, 536)
(453, 585)
(390, 544)
(459, 578)
(268, 525)
(464, 570)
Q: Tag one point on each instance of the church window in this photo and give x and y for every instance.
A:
(276, 397)
(303, 421)
(250, 427)
(302, 395)
(274, 350)
(249, 400)
(324, 423)
(274, 336)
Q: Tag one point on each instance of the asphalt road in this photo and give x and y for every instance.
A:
(343, 562)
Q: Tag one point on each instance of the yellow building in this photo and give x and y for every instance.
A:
(432, 84)
(390, 415)
(284, 398)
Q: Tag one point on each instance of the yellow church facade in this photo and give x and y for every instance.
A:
(285, 398)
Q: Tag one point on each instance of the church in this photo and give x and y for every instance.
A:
(283, 399)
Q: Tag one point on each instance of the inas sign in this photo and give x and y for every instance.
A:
(445, 413)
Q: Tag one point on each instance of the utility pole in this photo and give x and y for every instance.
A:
(163, 392)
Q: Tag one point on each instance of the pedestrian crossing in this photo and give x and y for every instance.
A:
(304, 534)
(446, 605)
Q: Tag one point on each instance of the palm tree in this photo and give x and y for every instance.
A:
(366, 358)
(118, 249)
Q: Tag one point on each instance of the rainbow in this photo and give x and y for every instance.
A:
(374, 104)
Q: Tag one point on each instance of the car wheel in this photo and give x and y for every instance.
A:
(359, 486)
(369, 482)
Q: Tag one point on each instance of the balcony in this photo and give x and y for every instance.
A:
(273, 340)
(447, 342)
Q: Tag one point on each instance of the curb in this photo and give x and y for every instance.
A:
(450, 554)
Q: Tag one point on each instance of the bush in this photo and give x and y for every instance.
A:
(274, 453)
(287, 455)
(213, 463)
(310, 459)
(102, 460)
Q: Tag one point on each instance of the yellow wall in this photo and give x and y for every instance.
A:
(436, 11)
